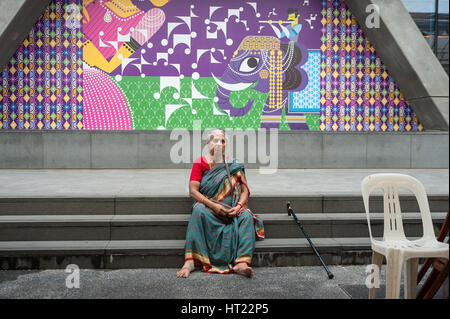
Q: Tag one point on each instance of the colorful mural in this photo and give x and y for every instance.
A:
(42, 85)
(163, 64)
(357, 92)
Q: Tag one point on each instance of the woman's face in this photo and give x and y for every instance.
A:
(217, 146)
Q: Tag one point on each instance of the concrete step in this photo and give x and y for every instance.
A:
(165, 191)
(128, 254)
(138, 218)
(173, 227)
(176, 205)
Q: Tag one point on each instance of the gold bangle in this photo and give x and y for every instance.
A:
(240, 204)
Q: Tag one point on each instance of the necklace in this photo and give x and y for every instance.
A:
(113, 10)
(119, 3)
(123, 7)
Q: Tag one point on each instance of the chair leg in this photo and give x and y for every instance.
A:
(423, 270)
(394, 267)
(445, 288)
(377, 259)
(443, 274)
(411, 278)
(427, 284)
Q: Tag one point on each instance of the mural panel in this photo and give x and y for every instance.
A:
(160, 64)
(42, 85)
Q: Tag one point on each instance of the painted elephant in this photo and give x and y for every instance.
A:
(273, 68)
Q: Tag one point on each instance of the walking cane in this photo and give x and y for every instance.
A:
(291, 213)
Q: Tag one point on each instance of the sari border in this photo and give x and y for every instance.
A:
(205, 263)
(246, 258)
(259, 232)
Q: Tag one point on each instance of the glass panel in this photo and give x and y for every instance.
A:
(442, 51)
(420, 5)
(424, 14)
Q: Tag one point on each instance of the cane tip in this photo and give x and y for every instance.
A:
(330, 276)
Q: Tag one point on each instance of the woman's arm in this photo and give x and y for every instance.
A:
(242, 200)
(244, 195)
(194, 192)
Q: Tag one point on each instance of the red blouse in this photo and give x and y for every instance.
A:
(199, 168)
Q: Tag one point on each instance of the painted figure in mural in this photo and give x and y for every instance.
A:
(270, 66)
(115, 29)
(222, 230)
(295, 27)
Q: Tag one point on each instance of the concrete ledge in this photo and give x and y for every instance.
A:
(173, 227)
(57, 206)
(182, 205)
(151, 150)
(170, 253)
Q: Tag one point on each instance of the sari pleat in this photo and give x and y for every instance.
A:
(212, 244)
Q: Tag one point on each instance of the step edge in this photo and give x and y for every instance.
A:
(67, 246)
(184, 218)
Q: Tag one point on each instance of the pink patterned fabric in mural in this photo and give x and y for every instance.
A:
(103, 25)
(105, 107)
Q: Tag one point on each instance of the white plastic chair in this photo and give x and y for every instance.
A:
(395, 246)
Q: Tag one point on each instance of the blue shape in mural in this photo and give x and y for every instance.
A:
(308, 100)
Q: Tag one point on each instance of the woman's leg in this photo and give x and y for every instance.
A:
(193, 240)
(204, 242)
(246, 245)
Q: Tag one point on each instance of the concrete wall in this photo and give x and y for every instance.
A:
(151, 149)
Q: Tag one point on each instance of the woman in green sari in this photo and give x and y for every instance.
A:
(222, 230)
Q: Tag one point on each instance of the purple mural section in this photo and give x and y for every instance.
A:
(200, 38)
(357, 92)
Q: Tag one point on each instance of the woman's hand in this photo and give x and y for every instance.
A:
(220, 210)
(235, 211)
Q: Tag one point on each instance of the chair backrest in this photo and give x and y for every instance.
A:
(390, 184)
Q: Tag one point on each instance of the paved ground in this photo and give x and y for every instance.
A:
(268, 283)
(141, 182)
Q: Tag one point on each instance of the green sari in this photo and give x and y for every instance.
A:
(212, 244)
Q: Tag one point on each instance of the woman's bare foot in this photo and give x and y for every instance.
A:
(186, 270)
(244, 270)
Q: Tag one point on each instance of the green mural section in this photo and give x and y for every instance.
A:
(150, 113)
(313, 122)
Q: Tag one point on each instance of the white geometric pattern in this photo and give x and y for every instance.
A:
(308, 100)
